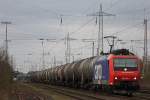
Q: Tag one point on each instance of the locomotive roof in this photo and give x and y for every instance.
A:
(120, 52)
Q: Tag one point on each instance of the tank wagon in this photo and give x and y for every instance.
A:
(119, 70)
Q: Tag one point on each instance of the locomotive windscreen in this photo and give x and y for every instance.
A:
(129, 64)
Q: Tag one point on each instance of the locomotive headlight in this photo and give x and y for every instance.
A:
(134, 78)
(116, 78)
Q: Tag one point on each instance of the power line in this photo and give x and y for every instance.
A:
(135, 10)
(93, 4)
(93, 44)
(126, 28)
(114, 4)
(82, 26)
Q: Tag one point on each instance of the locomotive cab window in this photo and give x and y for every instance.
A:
(125, 63)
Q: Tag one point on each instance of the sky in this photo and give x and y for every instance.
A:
(33, 20)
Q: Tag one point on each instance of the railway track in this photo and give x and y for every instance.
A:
(21, 91)
(145, 91)
(23, 96)
(82, 94)
(77, 94)
(73, 94)
(140, 96)
(143, 94)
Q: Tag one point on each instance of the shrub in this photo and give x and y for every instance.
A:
(5, 74)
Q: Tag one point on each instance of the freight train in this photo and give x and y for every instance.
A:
(119, 70)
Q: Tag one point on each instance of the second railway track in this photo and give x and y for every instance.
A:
(76, 95)
(82, 94)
